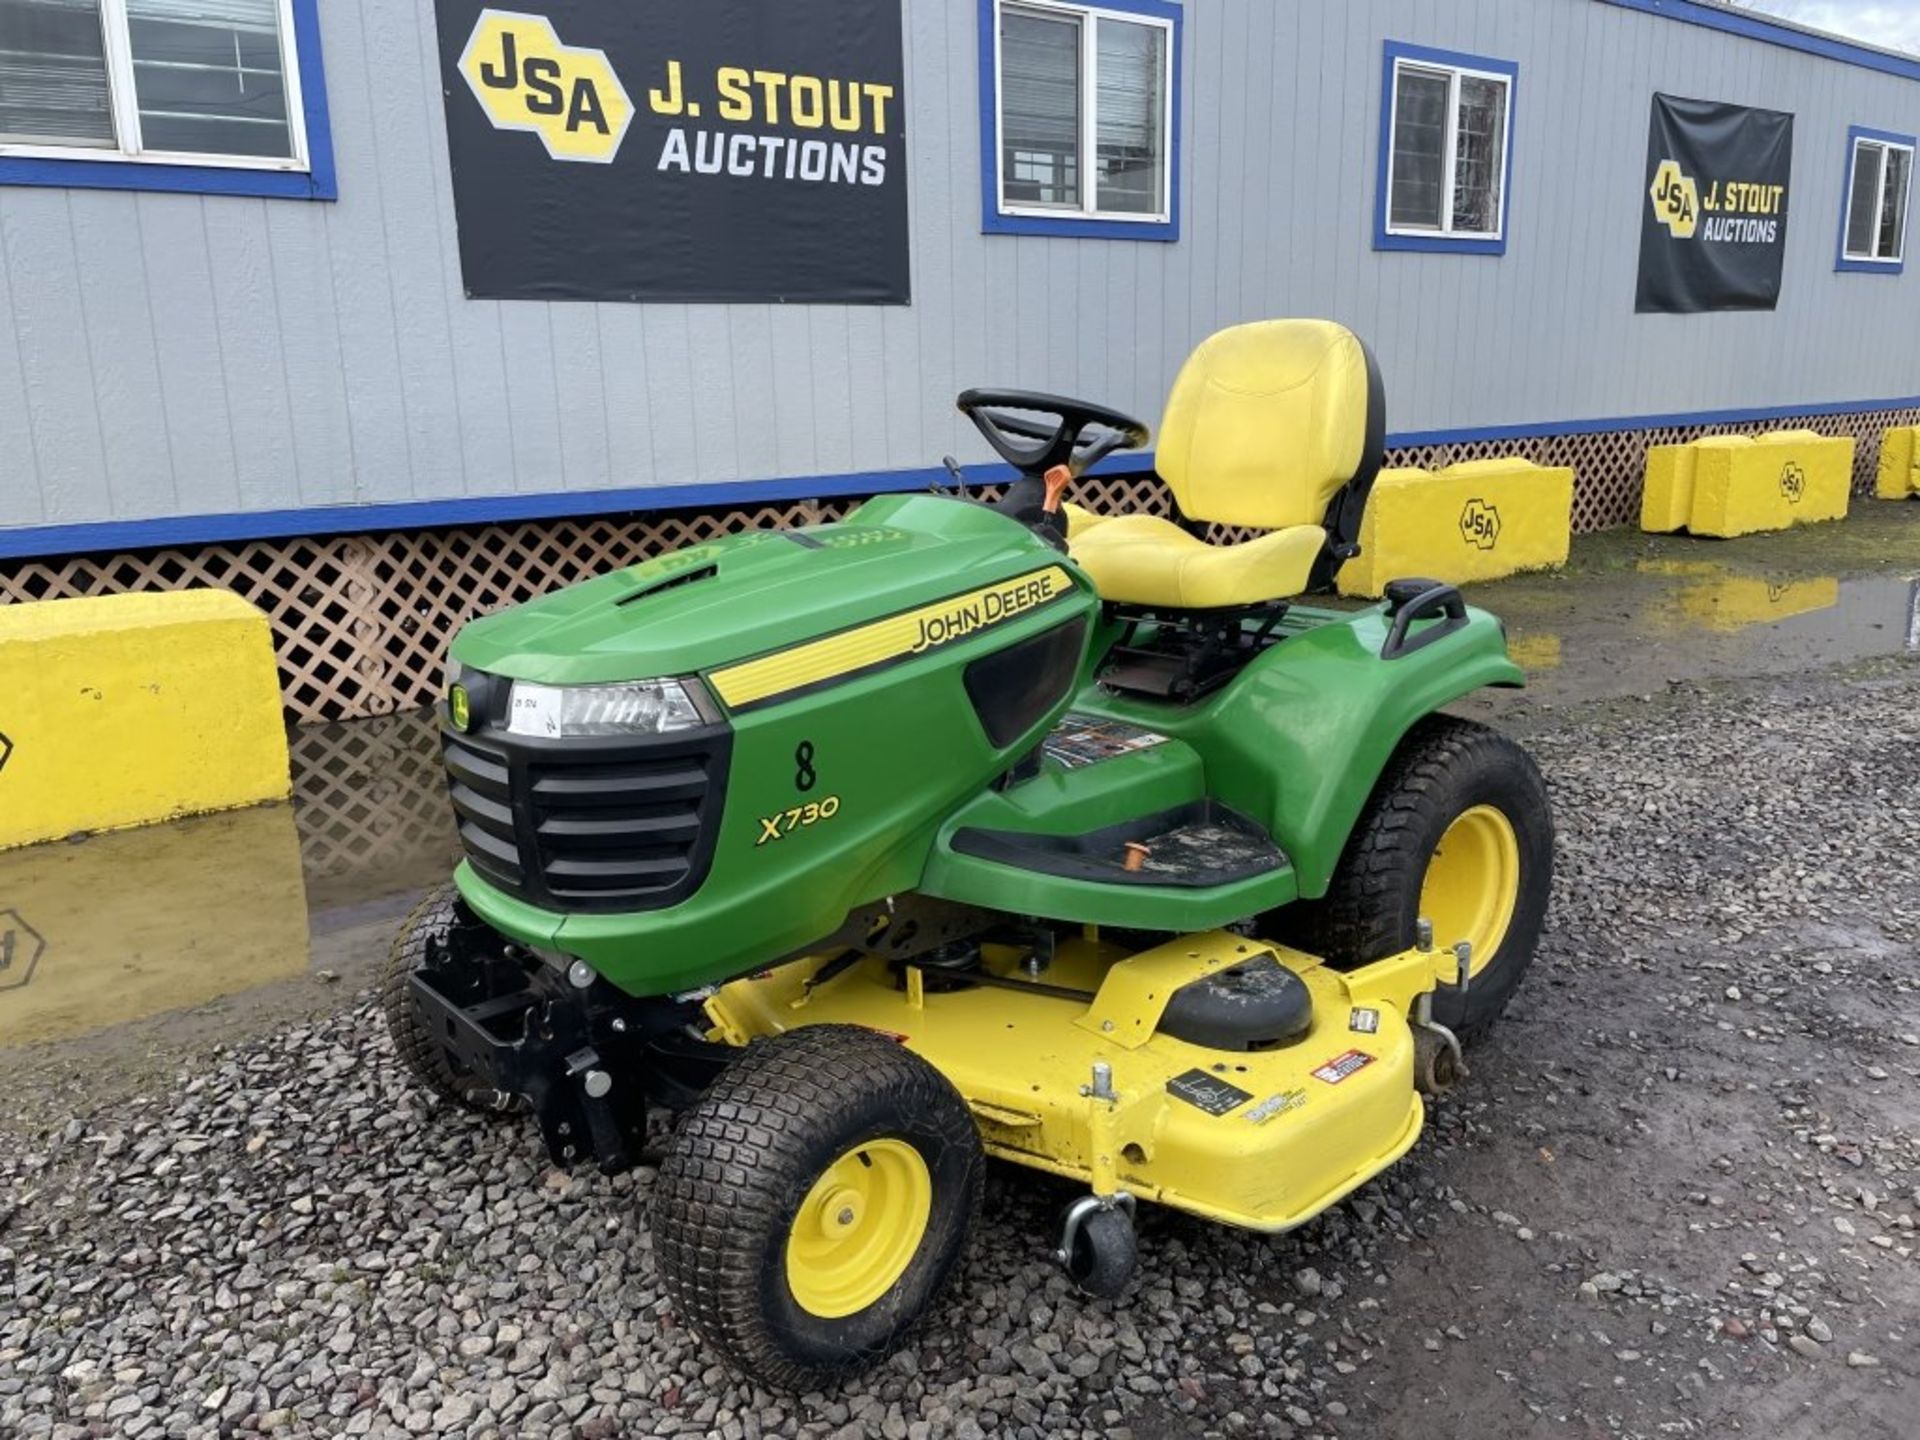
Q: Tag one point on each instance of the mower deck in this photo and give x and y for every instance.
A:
(1261, 1139)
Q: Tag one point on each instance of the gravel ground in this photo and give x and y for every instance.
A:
(1677, 1196)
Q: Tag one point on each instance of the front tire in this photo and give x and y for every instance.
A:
(1458, 829)
(427, 936)
(814, 1203)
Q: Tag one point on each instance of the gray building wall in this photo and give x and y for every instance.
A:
(170, 355)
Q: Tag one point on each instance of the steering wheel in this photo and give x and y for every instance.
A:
(1035, 446)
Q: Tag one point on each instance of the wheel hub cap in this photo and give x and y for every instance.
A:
(1473, 882)
(858, 1228)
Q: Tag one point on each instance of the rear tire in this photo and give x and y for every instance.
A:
(424, 938)
(814, 1203)
(1493, 875)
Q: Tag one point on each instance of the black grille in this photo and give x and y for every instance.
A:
(589, 824)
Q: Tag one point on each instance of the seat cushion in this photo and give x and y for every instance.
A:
(1266, 422)
(1144, 560)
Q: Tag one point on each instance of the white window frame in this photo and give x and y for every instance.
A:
(1854, 257)
(1087, 209)
(1450, 144)
(118, 41)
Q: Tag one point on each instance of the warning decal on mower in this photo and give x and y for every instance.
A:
(1278, 1104)
(1087, 739)
(1208, 1092)
(1341, 1066)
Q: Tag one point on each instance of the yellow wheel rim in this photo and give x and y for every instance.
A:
(859, 1228)
(1473, 883)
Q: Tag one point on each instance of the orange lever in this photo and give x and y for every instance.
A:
(1057, 479)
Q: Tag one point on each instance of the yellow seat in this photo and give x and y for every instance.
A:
(1275, 425)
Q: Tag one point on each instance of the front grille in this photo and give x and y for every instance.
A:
(588, 824)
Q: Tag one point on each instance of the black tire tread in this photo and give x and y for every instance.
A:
(733, 1170)
(1107, 1253)
(1355, 921)
(421, 1055)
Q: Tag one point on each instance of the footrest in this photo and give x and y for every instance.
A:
(1195, 846)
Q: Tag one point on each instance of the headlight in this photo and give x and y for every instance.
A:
(636, 707)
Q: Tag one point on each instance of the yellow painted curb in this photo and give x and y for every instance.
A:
(1474, 520)
(122, 710)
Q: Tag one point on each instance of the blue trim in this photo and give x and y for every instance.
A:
(1855, 134)
(316, 182)
(36, 541)
(1775, 32)
(992, 222)
(1444, 244)
(1751, 415)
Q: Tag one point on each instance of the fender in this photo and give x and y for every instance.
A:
(1300, 737)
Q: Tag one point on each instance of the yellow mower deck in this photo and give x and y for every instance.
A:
(1262, 1140)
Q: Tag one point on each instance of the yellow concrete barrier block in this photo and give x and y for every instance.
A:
(1787, 478)
(1475, 520)
(1742, 484)
(1898, 477)
(1667, 501)
(126, 709)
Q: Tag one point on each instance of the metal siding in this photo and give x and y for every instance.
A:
(176, 355)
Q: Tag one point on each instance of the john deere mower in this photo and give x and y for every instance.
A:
(866, 850)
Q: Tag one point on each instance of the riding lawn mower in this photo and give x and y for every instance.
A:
(866, 850)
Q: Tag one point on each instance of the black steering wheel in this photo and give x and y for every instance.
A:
(1074, 433)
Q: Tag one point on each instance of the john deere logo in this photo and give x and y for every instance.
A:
(1793, 482)
(1480, 525)
(525, 79)
(20, 947)
(459, 707)
(1676, 200)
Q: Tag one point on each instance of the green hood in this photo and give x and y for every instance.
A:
(746, 595)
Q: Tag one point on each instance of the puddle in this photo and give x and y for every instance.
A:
(141, 923)
(1691, 627)
(1619, 622)
(126, 925)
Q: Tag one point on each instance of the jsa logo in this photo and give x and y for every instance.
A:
(525, 79)
(1676, 200)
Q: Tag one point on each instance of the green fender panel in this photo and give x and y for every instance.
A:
(1299, 738)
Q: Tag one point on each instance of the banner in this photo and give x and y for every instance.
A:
(1714, 233)
(678, 150)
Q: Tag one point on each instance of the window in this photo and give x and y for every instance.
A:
(1080, 123)
(1873, 224)
(1446, 143)
(97, 91)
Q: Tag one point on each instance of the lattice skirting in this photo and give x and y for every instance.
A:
(361, 622)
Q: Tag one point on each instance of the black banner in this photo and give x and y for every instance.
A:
(1714, 233)
(678, 150)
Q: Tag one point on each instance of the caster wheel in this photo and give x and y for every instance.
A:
(814, 1203)
(1437, 1066)
(1102, 1254)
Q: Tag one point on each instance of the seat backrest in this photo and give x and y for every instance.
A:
(1275, 423)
